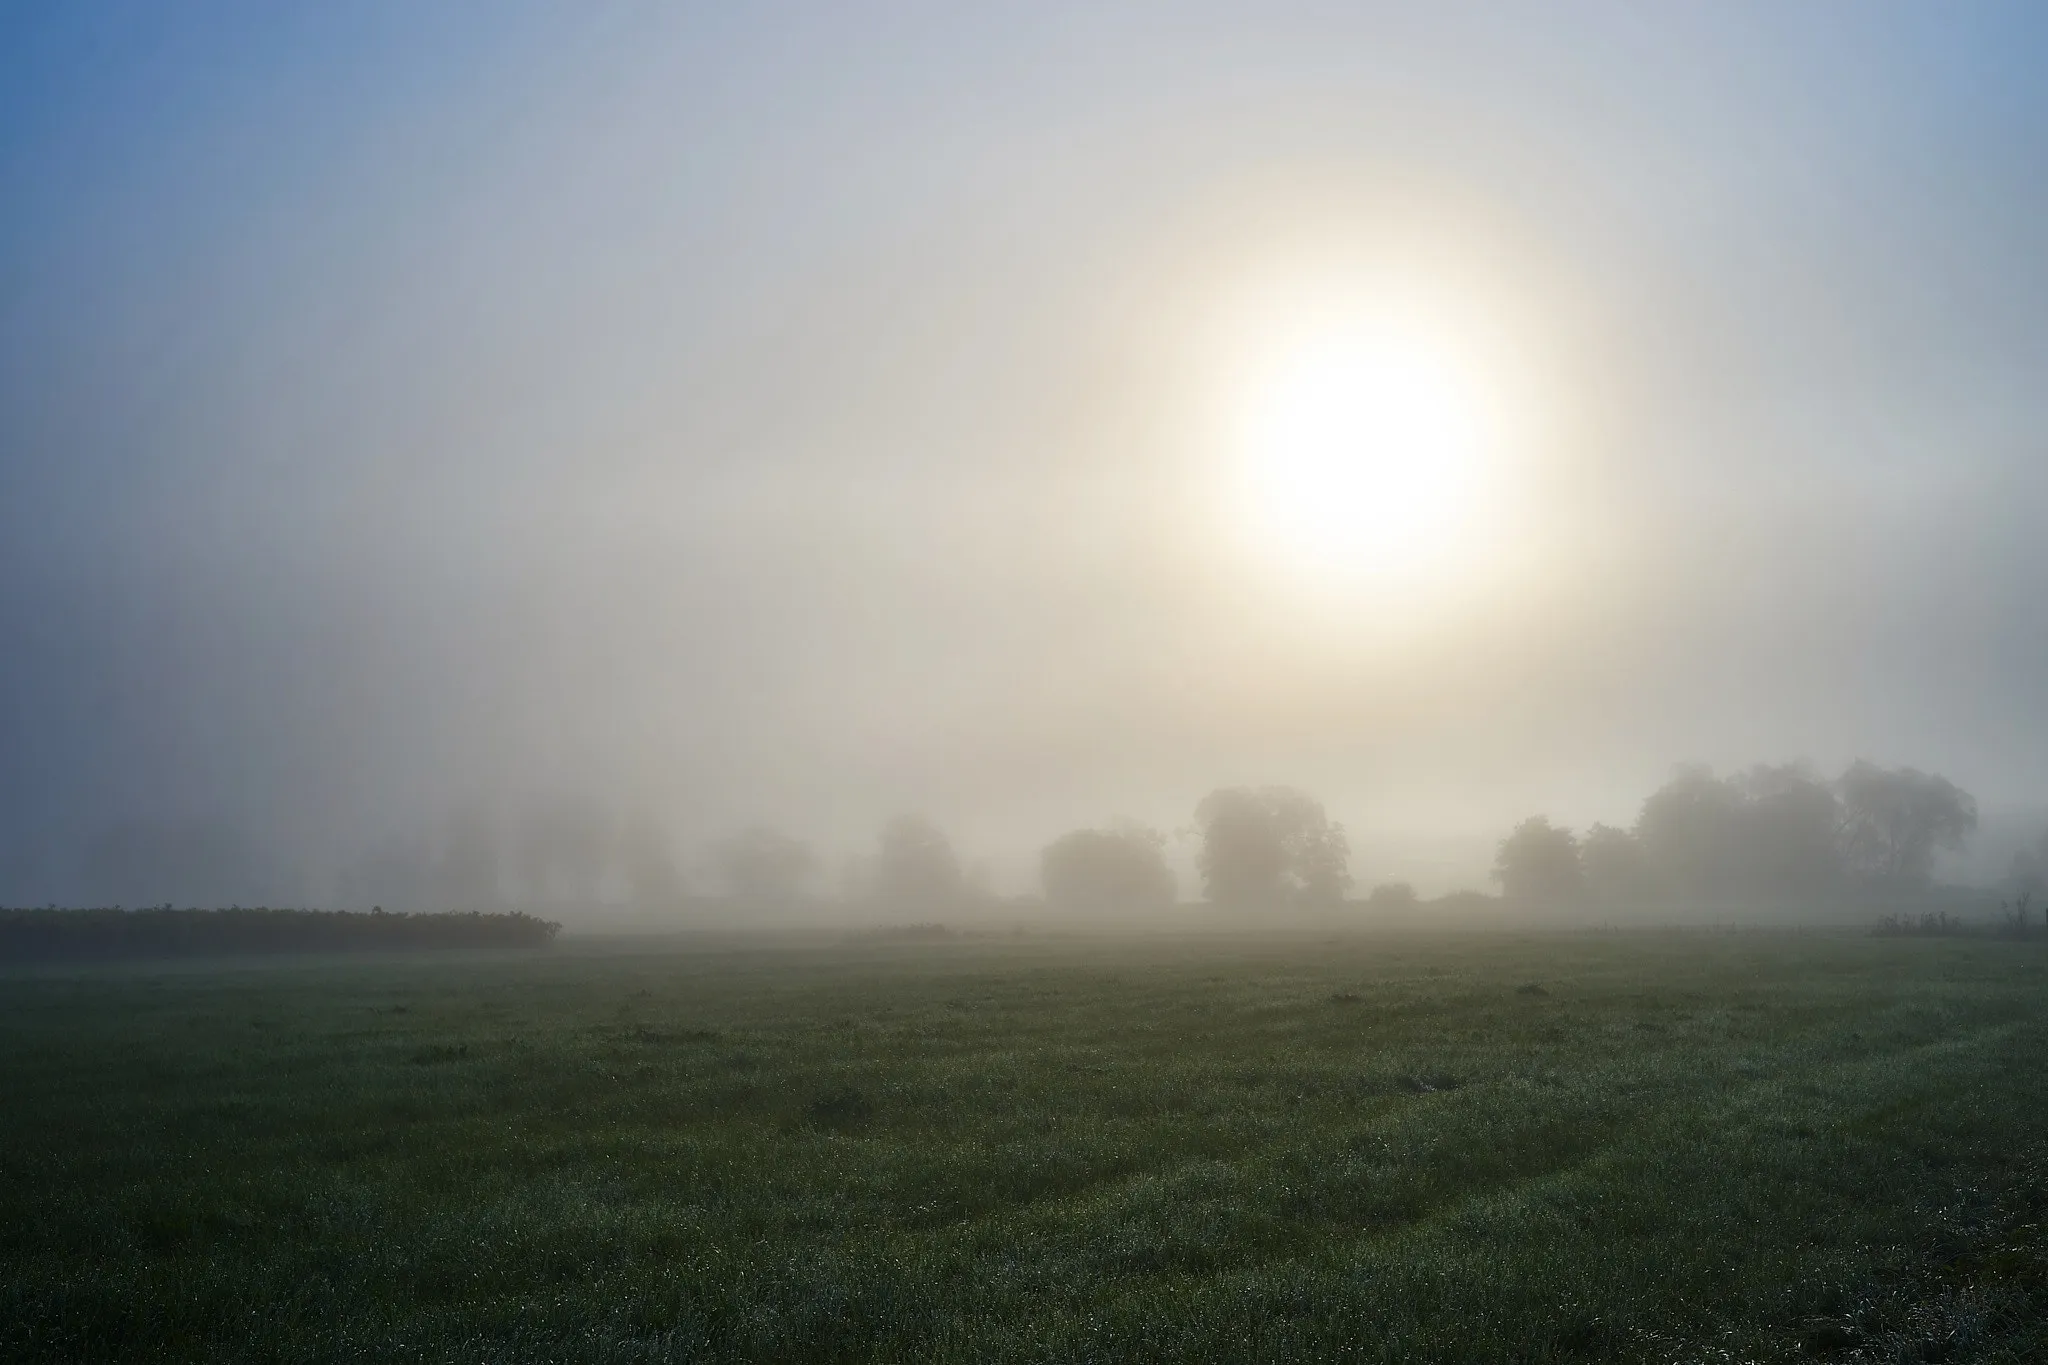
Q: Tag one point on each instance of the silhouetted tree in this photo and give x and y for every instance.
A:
(916, 867)
(1770, 833)
(1895, 820)
(1120, 867)
(1612, 865)
(1781, 833)
(764, 865)
(1691, 834)
(1789, 834)
(1539, 864)
(1266, 845)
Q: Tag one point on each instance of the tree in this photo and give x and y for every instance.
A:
(1266, 845)
(1789, 842)
(1612, 865)
(1691, 835)
(1539, 864)
(916, 867)
(763, 866)
(1895, 820)
(1120, 867)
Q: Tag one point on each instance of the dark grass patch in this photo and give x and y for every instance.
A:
(840, 1107)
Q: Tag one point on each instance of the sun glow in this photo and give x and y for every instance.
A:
(1367, 443)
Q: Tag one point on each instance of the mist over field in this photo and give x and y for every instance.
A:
(999, 682)
(617, 459)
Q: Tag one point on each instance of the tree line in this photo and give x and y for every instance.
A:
(1259, 847)
(104, 934)
(1771, 834)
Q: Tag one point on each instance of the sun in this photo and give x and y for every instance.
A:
(1363, 447)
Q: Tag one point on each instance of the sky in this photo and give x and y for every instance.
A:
(710, 415)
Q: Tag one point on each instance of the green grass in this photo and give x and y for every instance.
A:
(1572, 1147)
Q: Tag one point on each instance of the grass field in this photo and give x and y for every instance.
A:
(1564, 1147)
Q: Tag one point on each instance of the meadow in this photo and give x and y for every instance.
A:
(1671, 1147)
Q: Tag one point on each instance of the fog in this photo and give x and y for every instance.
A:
(516, 436)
